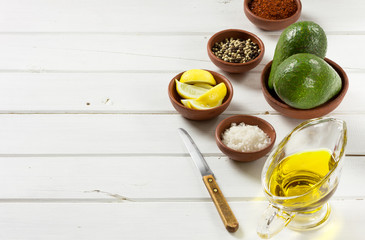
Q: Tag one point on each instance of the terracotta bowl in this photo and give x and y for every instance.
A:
(250, 120)
(271, 25)
(235, 67)
(199, 115)
(276, 103)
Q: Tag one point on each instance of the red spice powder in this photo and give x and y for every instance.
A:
(273, 9)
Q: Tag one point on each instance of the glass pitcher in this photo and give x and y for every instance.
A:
(301, 174)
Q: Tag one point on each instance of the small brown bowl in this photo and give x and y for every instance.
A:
(249, 120)
(276, 103)
(195, 114)
(235, 67)
(268, 24)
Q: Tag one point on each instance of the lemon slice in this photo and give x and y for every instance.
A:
(197, 76)
(189, 91)
(203, 85)
(213, 97)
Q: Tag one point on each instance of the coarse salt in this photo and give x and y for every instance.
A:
(245, 138)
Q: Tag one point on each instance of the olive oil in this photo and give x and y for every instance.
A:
(301, 174)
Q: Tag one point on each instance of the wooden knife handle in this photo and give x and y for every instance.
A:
(228, 218)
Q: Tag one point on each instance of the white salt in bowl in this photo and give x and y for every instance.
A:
(248, 120)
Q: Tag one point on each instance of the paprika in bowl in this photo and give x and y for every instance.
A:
(272, 15)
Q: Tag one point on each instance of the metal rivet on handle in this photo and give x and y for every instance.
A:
(215, 190)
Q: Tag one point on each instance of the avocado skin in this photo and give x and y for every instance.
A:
(300, 37)
(306, 81)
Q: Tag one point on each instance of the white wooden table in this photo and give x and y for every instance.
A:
(89, 147)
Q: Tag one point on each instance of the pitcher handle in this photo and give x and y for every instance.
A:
(273, 221)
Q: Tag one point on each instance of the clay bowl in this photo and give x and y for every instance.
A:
(199, 115)
(249, 120)
(276, 103)
(235, 67)
(271, 25)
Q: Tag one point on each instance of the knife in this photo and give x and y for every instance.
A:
(225, 212)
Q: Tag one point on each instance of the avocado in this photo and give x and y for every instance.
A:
(300, 37)
(306, 81)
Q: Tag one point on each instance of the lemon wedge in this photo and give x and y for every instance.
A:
(186, 103)
(212, 98)
(203, 85)
(195, 104)
(197, 76)
(189, 91)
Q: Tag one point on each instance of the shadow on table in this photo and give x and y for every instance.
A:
(251, 169)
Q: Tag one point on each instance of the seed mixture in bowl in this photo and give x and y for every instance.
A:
(236, 50)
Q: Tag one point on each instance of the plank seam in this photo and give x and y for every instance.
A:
(112, 155)
(161, 33)
(115, 112)
(152, 200)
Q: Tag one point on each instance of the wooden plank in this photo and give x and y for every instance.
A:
(159, 16)
(138, 53)
(166, 220)
(141, 179)
(132, 93)
(130, 134)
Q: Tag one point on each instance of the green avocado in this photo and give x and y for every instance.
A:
(306, 81)
(300, 37)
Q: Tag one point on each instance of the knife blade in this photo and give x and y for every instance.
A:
(224, 210)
